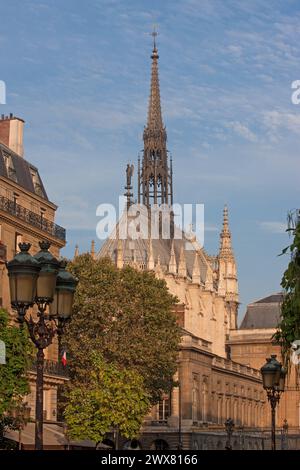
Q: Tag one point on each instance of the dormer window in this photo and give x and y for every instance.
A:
(10, 169)
(36, 182)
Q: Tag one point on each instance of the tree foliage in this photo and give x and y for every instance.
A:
(13, 379)
(113, 398)
(127, 315)
(14, 383)
(289, 326)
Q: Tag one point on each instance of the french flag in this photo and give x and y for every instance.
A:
(64, 359)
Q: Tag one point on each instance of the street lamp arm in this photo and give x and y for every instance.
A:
(41, 333)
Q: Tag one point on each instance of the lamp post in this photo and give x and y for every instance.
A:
(284, 435)
(229, 426)
(273, 376)
(38, 280)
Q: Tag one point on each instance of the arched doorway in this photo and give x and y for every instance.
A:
(109, 443)
(132, 445)
(159, 444)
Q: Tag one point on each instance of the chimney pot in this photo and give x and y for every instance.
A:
(11, 133)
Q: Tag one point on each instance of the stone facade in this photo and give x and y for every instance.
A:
(252, 343)
(26, 215)
(213, 386)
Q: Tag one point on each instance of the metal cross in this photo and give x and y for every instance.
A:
(154, 34)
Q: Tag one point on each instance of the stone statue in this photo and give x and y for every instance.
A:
(129, 174)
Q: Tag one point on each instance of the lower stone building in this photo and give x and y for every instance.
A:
(253, 342)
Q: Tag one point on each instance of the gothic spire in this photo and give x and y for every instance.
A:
(225, 237)
(172, 262)
(154, 175)
(196, 270)
(93, 253)
(150, 264)
(154, 121)
(182, 263)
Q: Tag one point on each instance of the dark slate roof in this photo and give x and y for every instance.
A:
(264, 313)
(22, 171)
(161, 248)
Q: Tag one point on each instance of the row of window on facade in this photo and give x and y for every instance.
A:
(12, 174)
(18, 238)
(238, 390)
(14, 197)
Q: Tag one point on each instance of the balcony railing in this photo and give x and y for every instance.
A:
(52, 368)
(31, 218)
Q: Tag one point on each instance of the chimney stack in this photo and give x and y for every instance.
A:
(11, 133)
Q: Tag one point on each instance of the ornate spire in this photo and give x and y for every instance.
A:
(196, 270)
(154, 121)
(154, 176)
(120, 254)
(93, 254)
(150, 264)
(158, 265)
(182, 263)
(227, 273)
(225, 237)
(172, 262)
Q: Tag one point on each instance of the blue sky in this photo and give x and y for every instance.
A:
(78, 73)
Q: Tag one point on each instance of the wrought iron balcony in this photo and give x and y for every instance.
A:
(31, 218)
(52, 368)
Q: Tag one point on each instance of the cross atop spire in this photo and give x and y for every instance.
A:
(154, 34)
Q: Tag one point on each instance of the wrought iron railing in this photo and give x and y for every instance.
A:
(32, 218)
(52, 368)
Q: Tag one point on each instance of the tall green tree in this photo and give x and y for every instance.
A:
(289, 327)
(126, 315)
(113, 398)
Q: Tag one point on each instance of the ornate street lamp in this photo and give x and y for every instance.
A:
(284, 435)
(61, 307)
(273, 376)
(36, 280)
